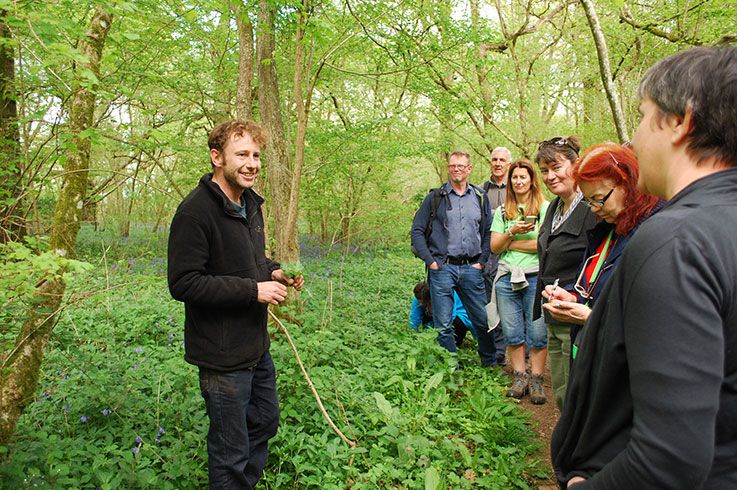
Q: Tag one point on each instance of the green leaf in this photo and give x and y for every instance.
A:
(432, 478)
(384, 406)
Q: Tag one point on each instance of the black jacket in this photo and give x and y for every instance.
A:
(560, 253)
(215, 260)
(653, 393)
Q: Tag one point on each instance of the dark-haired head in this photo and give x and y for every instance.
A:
(548, 150)
(702, 80)
(618, 165)
(422, 293)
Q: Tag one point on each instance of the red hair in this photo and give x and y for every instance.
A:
(613, 162)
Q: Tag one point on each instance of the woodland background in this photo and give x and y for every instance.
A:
(105, 108)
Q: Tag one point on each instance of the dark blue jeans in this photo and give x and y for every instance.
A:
(468, 282)
(244, 414)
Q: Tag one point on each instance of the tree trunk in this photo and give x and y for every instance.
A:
(243, 101)
(20, 368)
(280, 173)
(12, 225)
(605, 70)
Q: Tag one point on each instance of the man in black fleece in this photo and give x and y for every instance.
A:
(218, 268)
(653, 402)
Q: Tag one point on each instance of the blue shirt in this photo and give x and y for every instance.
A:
(464, 217)
(416, 312)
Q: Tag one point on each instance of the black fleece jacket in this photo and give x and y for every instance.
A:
(652, 402)
(216, 259)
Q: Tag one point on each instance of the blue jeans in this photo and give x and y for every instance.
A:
(244, 414)
(468, 282)
(515, 313)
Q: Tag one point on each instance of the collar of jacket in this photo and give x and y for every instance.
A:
(573, 224)
(253, 200)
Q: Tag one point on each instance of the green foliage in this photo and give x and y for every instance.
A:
(293, 269)
(23, 267)
(118, 407)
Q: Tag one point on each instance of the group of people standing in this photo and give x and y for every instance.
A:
(641, 306)
(640, 328)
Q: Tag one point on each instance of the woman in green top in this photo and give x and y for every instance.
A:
(514, 239)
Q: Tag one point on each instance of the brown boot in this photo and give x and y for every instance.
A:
(519, 385)
(537, 393)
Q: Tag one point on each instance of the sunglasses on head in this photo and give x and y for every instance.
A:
(557, 141)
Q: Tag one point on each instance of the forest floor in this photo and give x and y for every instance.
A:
(544, 418)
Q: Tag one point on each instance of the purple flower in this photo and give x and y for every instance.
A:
(135, 449)
(161, 431)
(135, 366)
(139, 440)
(139, 350)
(83, 419)
(106, 412)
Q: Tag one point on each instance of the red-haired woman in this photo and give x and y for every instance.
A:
(607, 176)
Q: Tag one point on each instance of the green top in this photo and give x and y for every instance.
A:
(499, 225)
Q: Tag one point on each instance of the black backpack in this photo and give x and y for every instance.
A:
(438, 193)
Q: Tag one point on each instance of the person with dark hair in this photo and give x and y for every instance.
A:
(653, 392)
(607, 176)
(217, 266)
(561, 241)
(514, 238)
(420, 313)
(452, 238)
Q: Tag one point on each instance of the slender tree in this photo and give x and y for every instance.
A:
(19, 369)
(605, 70)
(11, 224)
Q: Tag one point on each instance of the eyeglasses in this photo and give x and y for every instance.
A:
(457, 167)
(599, 203)
(557, 141)
(579, 286)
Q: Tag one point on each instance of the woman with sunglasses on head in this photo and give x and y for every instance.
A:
(561, 242)
(514, 239)
(607, 175)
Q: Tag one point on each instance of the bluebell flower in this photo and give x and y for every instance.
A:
(139, 440)
(106, 412)
(135, 449)
(139, 350)
(161, 431)
(135, 365)
(83, 419)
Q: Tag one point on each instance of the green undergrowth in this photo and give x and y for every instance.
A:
(117, 406)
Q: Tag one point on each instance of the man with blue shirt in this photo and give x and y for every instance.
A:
(454, 252)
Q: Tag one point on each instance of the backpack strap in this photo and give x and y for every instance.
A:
(437, 196)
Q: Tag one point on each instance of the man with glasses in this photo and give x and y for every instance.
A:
(653, 396)
(454, 251)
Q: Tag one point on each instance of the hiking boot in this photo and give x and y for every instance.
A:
(519, 385)
(537, 393)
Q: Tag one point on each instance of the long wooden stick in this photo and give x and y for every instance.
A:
(312, 386)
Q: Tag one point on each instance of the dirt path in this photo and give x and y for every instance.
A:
(544, 417)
